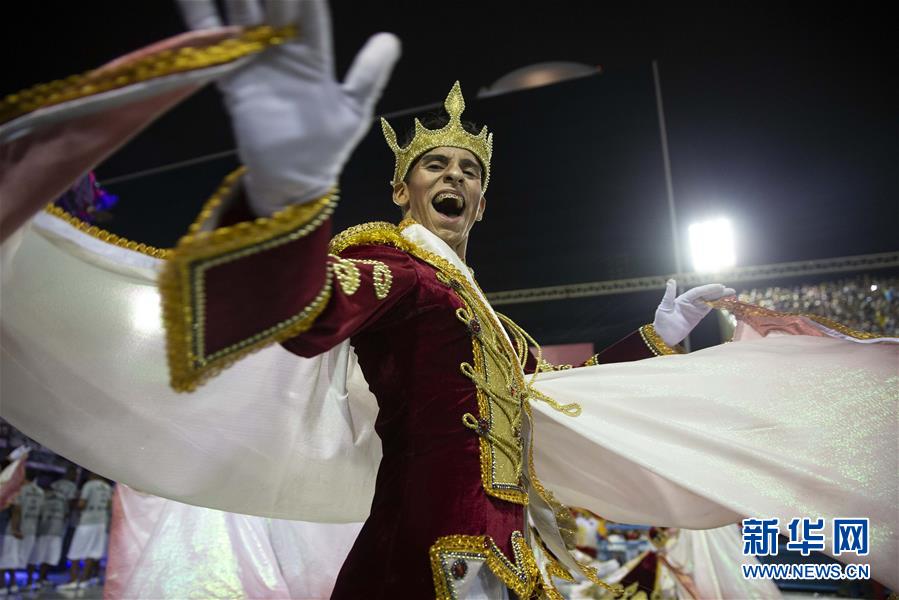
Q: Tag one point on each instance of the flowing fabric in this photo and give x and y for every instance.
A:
(165, 549)
(781, 426)
(712, 559)
(84, 370)
(44, 151)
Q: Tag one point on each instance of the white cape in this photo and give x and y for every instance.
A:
(159, 548)
(783, 426)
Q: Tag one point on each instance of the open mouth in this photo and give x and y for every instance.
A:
(449, 204)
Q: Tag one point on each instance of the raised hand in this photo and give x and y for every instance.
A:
(295, 124)
(676, 317)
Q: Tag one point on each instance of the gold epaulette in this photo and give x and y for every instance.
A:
(377, 232)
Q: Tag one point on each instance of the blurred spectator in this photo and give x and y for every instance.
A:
(89, 542)
(52, 524)
(864, 303)
(21, 530)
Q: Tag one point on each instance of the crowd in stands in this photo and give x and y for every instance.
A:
(57, 515)
(864, 303)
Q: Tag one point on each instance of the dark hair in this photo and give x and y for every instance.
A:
(434, 120)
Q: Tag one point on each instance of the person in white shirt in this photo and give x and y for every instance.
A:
(20, 534)
(89, 541)
(52, 526)
(67, 486)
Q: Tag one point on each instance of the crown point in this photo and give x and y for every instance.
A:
(454, 103)
(389, 134)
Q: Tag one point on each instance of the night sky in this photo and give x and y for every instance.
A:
(781, 116)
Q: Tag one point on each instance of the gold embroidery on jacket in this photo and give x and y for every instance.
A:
(500, 393)
(501, 390)
(349, 277)
(381, 276)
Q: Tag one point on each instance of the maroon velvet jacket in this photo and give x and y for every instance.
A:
(413, 327)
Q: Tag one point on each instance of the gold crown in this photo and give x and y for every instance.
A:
(451, 135)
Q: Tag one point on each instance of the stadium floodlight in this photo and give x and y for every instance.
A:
(712, 245)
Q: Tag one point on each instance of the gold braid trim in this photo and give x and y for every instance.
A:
(182, 285)
(741, 310)
(521, 576)
(592, 361)
(155, 65)
(522, 340)
(655, 343)
(633, 590)
(545, 367)
(106, 236)
(553, 567)
(499, 388)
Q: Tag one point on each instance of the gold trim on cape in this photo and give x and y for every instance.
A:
(157, 64)
(741, 309)
(106, 236)
(655, 343)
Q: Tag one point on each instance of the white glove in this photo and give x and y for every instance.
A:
(295, 124)
(676, 317)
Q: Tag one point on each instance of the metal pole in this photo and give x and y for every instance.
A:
(666, 161)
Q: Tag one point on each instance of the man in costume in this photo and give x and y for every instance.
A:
(448, 514)
(457, 508)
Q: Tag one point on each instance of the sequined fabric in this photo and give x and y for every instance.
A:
(782, 426)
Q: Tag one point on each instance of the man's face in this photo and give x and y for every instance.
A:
(442, 192)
